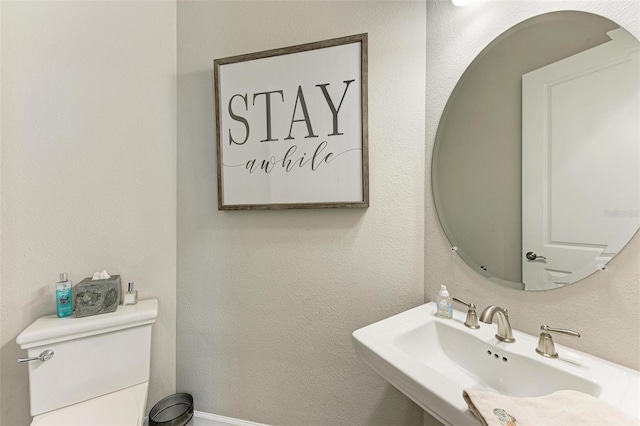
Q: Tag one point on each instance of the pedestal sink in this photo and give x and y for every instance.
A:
(432, 360)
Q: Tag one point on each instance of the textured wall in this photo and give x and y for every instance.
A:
(1, 202)
(602, 307)
(268, 300)
(88, 166)
(1, 404)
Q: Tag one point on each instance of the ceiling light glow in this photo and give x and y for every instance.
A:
(461, 2)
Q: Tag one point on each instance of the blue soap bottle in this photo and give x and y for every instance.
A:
(64, 296)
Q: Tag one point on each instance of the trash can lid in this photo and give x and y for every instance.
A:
(174, 410)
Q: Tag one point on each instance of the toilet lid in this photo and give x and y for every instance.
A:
(116, 409)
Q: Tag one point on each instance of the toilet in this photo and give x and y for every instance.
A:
(99, 372)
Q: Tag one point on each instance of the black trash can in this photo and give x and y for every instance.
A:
(174, 410)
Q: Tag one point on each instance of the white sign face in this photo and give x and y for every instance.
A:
(291, 127)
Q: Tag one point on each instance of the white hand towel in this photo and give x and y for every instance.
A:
(561, 408)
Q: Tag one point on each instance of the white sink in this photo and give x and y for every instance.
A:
(432, 360)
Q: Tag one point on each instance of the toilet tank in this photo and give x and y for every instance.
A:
(93, 355)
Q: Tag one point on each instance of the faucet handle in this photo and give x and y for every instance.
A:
(472, 317)
(546, 347)
(545, 327)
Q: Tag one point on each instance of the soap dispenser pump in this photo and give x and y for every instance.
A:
(445, 305)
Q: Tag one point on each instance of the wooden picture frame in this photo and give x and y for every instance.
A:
(291, 127)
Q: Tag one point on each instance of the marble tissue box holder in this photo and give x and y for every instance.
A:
(95, 297)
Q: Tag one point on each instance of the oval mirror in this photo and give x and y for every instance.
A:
(536, 162)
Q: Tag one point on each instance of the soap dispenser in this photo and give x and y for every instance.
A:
(445, 305)
(64, 296)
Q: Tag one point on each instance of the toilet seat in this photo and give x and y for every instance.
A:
(121, 408)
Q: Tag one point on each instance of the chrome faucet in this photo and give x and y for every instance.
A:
(504, 334)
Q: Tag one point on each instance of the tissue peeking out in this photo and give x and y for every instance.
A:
(101, 275)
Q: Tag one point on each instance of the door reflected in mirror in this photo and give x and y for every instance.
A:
(536, 165)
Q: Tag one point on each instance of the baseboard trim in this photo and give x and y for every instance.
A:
(206, 419)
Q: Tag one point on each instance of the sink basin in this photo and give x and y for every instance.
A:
(432, 360)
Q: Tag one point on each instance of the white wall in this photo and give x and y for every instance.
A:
(268, 299)
(602, 307)
(0, 206)
(88, 166)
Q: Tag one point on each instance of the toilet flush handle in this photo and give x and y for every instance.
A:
(44, 356)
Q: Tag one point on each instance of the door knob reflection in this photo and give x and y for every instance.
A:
(532, 256)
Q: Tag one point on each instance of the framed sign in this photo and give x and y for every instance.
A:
(291, 127)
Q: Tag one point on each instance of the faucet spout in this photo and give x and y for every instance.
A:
(505, 333)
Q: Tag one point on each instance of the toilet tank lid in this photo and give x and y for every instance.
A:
(50, 329)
